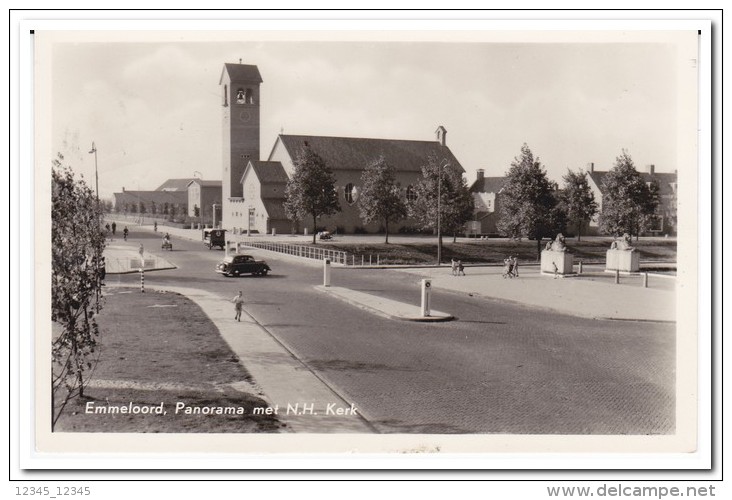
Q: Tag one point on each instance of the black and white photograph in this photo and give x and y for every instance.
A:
(382, 241)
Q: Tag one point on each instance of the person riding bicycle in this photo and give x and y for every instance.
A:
(166, 238)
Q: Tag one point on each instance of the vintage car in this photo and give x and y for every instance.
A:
(236, 265)
(214, 238)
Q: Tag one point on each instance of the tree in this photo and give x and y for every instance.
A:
(172, 211)
(77, 243)
(196, 211)
(628, 204)
(142, 207)
(528, 203)
(381, 197)
(455, 203)
(578, 200)
(311, 191)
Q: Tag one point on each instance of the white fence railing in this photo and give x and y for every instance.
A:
(306, 252)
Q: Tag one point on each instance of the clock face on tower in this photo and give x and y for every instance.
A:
(245, 116)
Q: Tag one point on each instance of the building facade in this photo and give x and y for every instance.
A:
(666, 211)
(253, 190)
(486, 197)
(204, 197)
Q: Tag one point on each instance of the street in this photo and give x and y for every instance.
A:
(498, 368)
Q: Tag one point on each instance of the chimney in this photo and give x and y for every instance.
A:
(590, 167)
(481, 174)
(441, 133)
(651, 169)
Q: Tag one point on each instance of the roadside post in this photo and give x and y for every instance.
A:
(326, 272)
(142, 268)
(580, 267)
(645, 279)
(426, 296)
(617, 276)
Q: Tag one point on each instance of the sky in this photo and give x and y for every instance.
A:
(154, 111)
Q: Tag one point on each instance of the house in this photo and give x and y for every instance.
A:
(204, 197)
(666, 211)
(485, 191)
(253, 190)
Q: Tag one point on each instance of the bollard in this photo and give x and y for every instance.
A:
(580, 267)
(378, 259)
(369, 259)
(361, 260)
(326, 272)
(142, 280)
(617, 276)
(426, 295)
(645, 279)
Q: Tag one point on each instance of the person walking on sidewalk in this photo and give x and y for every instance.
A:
(238, 301)
(114, 228)
(514, 261)
(461, 268)
(453, 265)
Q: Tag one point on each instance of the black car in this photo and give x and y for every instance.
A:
(236, 265)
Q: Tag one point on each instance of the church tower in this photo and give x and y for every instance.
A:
(240, 104)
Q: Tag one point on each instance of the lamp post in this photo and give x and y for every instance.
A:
(442, 165)
(96, 174)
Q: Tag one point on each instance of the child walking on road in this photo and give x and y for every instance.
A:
(238, 300)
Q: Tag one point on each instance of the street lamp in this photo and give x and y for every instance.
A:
(96, 174)
(443, 164)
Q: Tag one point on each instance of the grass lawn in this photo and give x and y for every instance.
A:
(158, 348)
(493, 250)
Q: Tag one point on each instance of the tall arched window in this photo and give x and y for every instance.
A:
(411, 193)
(249, 96)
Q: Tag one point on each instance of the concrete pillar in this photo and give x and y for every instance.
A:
(326, 272)
(426, 297)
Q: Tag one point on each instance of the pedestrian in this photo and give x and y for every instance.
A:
(507, 268)
(556, 270)
(461, 268)
(514, 261)
(238, 300)
(106, 226)
(125, 232)
(102, 270)
(114, 228)
(453, 266)
(156, 226)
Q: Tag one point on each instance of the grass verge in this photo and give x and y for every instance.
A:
(156, 349)
(492, 250)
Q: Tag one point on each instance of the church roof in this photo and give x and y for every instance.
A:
(268, 172)
(241, 72)
(175, 185)
(355, 153)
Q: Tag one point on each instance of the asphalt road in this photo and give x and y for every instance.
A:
(499, 368)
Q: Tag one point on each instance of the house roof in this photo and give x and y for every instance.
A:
(355, 153)
(180, 197)
(175, 184)
(204, 183)
(664, 180)
(268, 172)
(488, 185)
(241, 72)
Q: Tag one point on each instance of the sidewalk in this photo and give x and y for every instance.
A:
(282, 378)
(590, 295)
(121, 257)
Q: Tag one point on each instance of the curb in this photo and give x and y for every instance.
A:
(437, 316)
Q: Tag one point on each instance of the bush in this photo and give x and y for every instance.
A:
(359, 230)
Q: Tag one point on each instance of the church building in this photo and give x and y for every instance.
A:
(254, 190)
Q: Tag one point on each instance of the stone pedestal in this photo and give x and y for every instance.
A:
(563, 260)
(625, 261)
